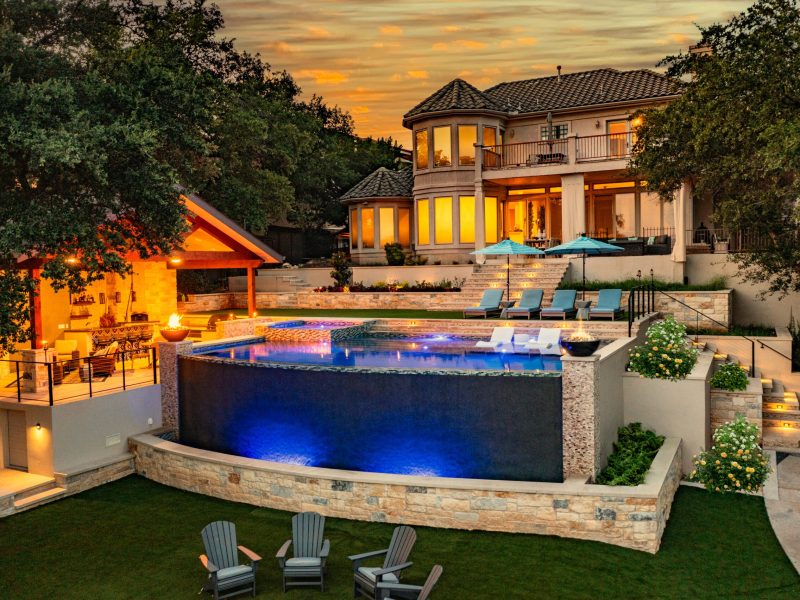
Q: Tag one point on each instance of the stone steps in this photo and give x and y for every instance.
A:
(42, 497)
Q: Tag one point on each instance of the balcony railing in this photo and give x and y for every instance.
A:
(722, 241)
(526, 154)
(610, 146)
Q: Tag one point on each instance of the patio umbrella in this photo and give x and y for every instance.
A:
(507, 247)
(587, 247)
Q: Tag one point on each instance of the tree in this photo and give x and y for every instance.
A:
(735, 133)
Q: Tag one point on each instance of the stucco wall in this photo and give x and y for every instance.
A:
(624, 516)
(679, 409)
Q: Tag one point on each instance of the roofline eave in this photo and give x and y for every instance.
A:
(407, 121)
(347, 201)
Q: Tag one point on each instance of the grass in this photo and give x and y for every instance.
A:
(718, 283)
(137, 539)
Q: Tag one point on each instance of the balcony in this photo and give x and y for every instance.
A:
(595, 152)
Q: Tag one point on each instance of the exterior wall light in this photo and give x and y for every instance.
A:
(38, 426)
(175, 260)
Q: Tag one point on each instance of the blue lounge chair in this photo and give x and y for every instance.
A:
(608, 304)
(490, 305)
(530, 305)
(563, 305)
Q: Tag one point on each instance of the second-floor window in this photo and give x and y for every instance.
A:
(442, 147)
(467, 138)
(421, 148)
(559, 131)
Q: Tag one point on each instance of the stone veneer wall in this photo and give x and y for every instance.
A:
(207, 302)
(726, 405)
(632, 517)
(580, 413)
(168, 353)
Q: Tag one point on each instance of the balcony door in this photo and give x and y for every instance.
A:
(617, 138)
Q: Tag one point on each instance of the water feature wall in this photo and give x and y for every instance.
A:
(505, 426)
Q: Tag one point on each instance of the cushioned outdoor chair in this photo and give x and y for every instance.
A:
(563, 305)
(608, 305)
(366, 579)
(104, 362)
(226, 577)
(490, 305)
(547, 342)
(397, 591)
(307, 567)
(530, 304)
(501, 336)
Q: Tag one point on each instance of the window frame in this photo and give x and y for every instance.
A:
(449, 129)
(427, 133)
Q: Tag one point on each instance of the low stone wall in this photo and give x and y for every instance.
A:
(632, 517)
(207, 302)
(95, 475)
(726, 405)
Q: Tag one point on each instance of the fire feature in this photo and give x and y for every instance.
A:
(580, 342)
(174, 331)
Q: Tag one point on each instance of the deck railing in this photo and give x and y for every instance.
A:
(526, 154)
(607, 146)
(723, 240)
(118, 365)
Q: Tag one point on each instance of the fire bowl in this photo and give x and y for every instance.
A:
(174, 334)
(580, 347)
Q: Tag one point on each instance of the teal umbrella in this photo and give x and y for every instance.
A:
(587, 247)
(508, 248)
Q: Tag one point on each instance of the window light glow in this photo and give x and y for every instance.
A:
(423, 222)
(368, 227)
(443, 220)
(466, 207)
(490, 219)
(386, 215)
(467, 138)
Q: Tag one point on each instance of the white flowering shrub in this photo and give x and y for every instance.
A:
(735, 462)
(666, 353)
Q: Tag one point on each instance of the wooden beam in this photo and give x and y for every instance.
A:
(251, 291)
(35, 301)
(217, 264)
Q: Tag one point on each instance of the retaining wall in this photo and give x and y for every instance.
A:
(632, 517)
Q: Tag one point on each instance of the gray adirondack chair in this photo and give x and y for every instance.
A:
(226, 577)
(398, 591)
(307, 567)
(365, 579)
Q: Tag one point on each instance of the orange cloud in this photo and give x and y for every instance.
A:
(418, 74)
(323, 76)
(451, 28)
(318, 33)
(279, 47)
(527, 41)
(679, 38)
(391, 30)
(359, 110)
(459, 45)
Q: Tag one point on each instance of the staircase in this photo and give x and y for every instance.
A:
(283, 280)
(38, 493)
(531, 274)
(780, 411)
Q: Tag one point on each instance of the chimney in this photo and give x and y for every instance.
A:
(558, 68)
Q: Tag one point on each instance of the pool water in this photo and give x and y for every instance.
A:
(435, 352)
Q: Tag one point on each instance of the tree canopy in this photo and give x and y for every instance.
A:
(735, 133)
(107, 106)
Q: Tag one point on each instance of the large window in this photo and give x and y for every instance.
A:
(467, 138)
(625, 215)
(443, 220)
(560, 131)
(386, 215)
(466, 219)
(617, 138)
(421, 148)
(442, 147)
(489, 136)
(490, 219)
(354, 228)
(367, 227)
(423, 222)
(404, 226)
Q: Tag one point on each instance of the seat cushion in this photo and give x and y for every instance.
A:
(369, 574)
(303, 562)
(231, 572)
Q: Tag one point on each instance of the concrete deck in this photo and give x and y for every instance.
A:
(13, 482)
(782, 500)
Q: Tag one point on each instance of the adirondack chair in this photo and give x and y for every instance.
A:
(365, 579)
(530, 304)
(563, 305)
(490, 305)
(396, 591)
(608, 304)
(226, 577)
(307, 567)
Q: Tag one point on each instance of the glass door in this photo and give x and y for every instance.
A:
(617, 138)
(514, 222)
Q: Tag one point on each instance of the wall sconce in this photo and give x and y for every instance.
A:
(597, 124)
(71, 260)
(38, 426)
(117, 297)
(44, 344)
(175, 260)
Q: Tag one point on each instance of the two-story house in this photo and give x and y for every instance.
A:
(537, 161)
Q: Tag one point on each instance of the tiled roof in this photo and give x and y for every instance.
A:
(587, 88)
(382, 183)
(458, 94)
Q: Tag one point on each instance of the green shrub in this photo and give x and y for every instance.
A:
(395, 256)
(735, 462)
(730, 377)
(633, 454)
(341, 272)
(718, 283)
(666, 353)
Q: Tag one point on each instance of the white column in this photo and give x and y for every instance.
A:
(682, 209)
(480, 210)
(573, 207)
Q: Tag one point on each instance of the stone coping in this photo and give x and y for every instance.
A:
(93, 466)
(654, 480)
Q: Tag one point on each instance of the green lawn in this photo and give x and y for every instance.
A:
(137, 539)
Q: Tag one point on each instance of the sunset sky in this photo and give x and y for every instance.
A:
(378, 58)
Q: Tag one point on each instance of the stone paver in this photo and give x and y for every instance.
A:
(782, 500)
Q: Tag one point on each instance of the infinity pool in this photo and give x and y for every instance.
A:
(435, 352)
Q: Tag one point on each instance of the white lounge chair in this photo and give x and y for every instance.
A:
(501, 336)
(547, 342)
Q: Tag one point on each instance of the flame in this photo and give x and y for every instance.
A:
(174, 321)
(580, 335)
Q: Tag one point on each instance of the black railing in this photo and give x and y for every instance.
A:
(641, 302)
(116, 367)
